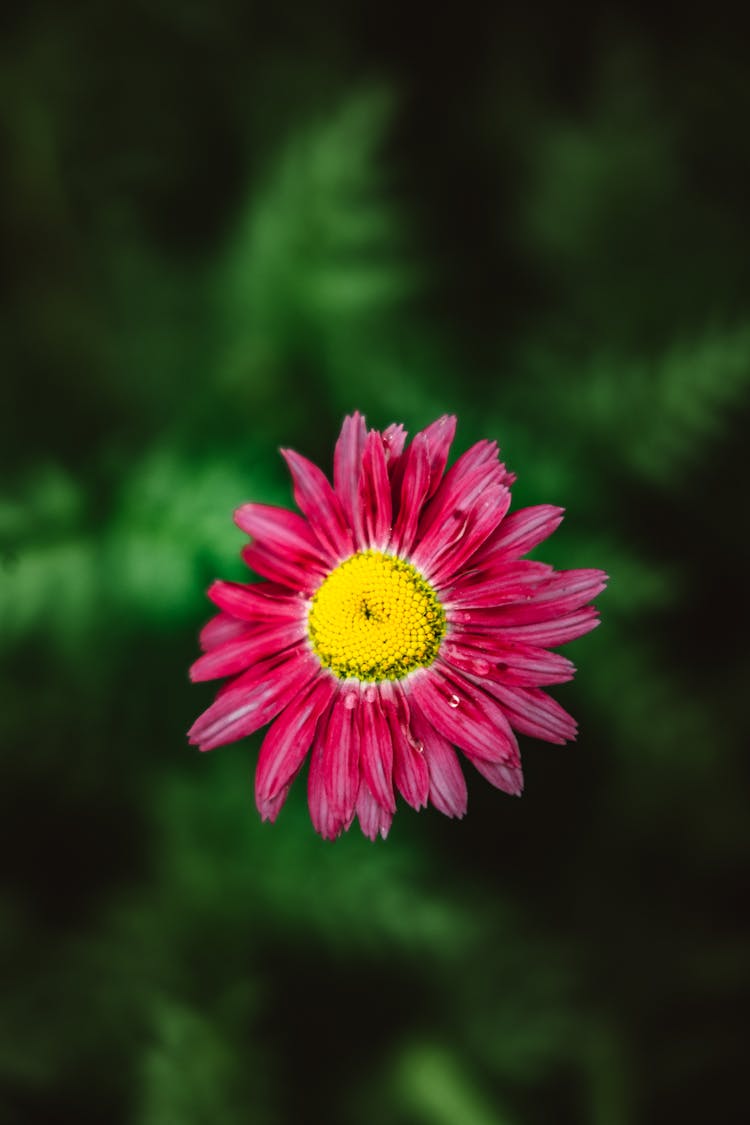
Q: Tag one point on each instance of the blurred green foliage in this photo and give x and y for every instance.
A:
(228, 226)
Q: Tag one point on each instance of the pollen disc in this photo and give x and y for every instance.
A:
(375, 618)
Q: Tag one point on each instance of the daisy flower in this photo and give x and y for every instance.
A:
(396, 622)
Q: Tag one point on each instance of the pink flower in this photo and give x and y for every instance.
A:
(397, 621)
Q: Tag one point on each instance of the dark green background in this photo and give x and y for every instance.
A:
(228, 225)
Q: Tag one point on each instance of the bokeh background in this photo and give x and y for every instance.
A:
(228, 224)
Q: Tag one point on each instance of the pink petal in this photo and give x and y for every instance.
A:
(522, 665)
(439, 436)
(235, 656)
(413, 489)
(531, 711)
(376, 757)
(464, 714)
(254, 699)
(296, 573)
(283, 533)
(564, 592)
(557, 631)
(519, 533)
(394, 438)
(447, 783)
(326, 820)
(319, 503)
(287, 741)
(258, 603)
(373, 818)
(270, 807)
(347, 464)
(463, 482)
(484, 517)
(492, 588)
(341, 755)
(410, 771)
(507, 778)
(375, 494)
(222, 629)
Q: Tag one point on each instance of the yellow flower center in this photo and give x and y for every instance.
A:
(375, 618)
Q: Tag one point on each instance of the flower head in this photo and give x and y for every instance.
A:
(397, 621)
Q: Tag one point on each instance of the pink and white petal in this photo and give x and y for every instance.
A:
(222, 629)
(507, 778)
(413, 489)
(326, 821)
(282, 532)
(522, 665)
(473, 470)
(495, 587)
(296, 573)
(259, 603)
(288, 740)
(449, 514)
(463, 713)
(556, 631)
(565, 591)
(376, 759)
(410, 772)
(483, 519)
(447, 783)
(394, 439)
(254, 699)
(375, 494)
(235, 656)
(439, 437)
(341, 755)
(531, 711)
(347, 463)
(373, 818)
(519, 533)
(319, 504)
(270, 807)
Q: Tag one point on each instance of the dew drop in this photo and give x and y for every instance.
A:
(481, 667)
(350, 700)
(370, 694)
(453, 701)
(419, 747)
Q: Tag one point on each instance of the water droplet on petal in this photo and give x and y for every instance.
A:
(419, 747)
(371, 694)
(350, 700)
(453, 701)
(481, 667)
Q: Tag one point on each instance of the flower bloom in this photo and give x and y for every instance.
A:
(397, 621)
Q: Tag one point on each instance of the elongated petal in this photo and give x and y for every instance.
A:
(375, 493)
(320, 505)
(394, 439)
(282, 532)
(556, 631)
(373, 818)
(222, 629)
(507, 778)
(326, 820)
(260, 603)
(410, 772)
(520, 532)
(288, 740)
(531, 711)
(523, 665)
(464, 714)
(297, 574)
(438, 436)
(247, 706)
(412, 492)
(564, 592)
(500, 586)
(377, 751)
(484, 517)
(447, 784)
(474, 469)
(347, 463)
(341, 755)
(235, 656)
